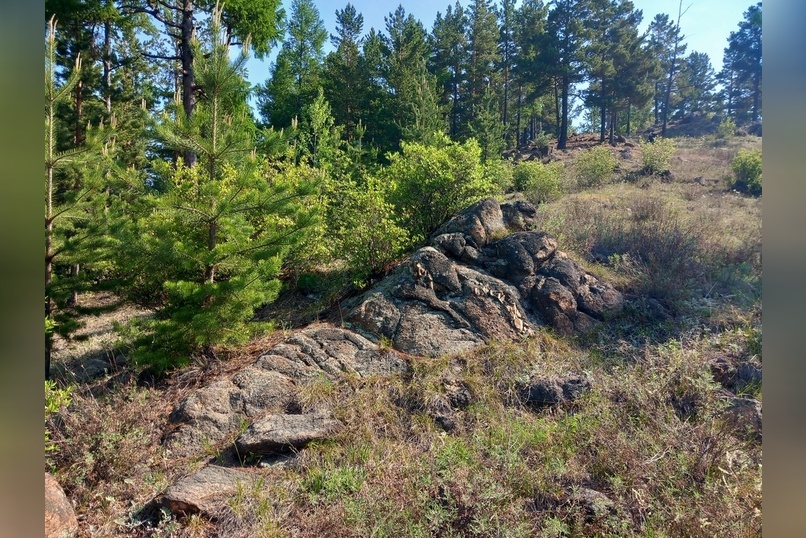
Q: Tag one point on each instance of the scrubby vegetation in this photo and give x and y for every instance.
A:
(539, 182)
(652, 436)
(594, 167)
(212, 234)
(746, 168)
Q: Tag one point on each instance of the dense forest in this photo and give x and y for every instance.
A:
(165, 185)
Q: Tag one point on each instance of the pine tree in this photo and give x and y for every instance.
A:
(741, 72)
(509, 51)
(215, 239)
(564, 58)
(531, 74)
(74, 197)
(406, 50)
(483, 56)
(381, 132)
(612, 66)
(697, 83)
(344, 79)
(488, 129)
(296, 76)
(448, 42)
(255, 21)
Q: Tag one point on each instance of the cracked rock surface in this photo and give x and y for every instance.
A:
(486, 275)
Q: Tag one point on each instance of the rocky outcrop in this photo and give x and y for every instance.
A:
(734, 373)
(280, 433)
(545, 391)
(60, 517)
(206, 491)
(485, 276)
(270, 384)
(745, 417)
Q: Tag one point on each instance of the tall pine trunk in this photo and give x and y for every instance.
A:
(563, 138)
(188, 80)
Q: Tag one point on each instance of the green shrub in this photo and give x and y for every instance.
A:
(747, 172)
(367, 234)
(500, 172)
(434, 182)
(655, 156)
(539, 182)
(56, 399)
(595, 167)
(726, 129)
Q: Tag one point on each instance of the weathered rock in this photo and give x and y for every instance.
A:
(478, 283)
(519, 255)
(733, 373)
(595, 504)
(544, 391)
(206, 491)
(592, 296)
(279, 433)
(744, 414)
(439, 409)
(60, 517)
(519, 216)
(211, 413)
(557, 305)
(458, 393)
(432, 333)
(91, 369)
(480, 223)
(378, 315)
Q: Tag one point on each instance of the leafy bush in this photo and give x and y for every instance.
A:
(500, 173)
(746, 168)
(539, 182)
(367, 234)
(56, 399)
(434, 182)
(594, 167)
(726, 129)
(655, 156)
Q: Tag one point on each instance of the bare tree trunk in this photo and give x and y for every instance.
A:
(518, 120)
(563, 138)
(557, 107)
(188, 80)
(672, 70)
(629, 113)
(107, 61)
(602, 122)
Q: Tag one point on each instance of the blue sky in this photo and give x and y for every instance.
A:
(705, 23)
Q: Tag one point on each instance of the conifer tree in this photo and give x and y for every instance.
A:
(483, 56)
(296, 76)
(697, 83)
(531, 76)
(741, 72)
(507, 44)
(344, 79)
(214, 241)
(564, 58)
(74, 201)
(448, 43)
(406, 50)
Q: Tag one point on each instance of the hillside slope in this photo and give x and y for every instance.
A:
(648, 424)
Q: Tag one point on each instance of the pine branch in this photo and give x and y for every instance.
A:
(160, 57)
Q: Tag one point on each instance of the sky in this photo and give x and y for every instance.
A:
(706, 24)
